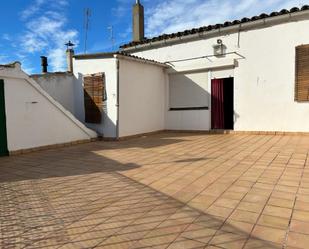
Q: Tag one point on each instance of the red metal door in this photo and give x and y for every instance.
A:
(217, 104)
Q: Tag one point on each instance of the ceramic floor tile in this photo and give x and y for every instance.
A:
(177, 190)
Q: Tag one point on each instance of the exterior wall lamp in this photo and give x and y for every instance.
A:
(219, 48)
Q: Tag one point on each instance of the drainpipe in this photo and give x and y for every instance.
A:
(117, 103)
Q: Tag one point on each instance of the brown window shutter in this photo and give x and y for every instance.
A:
(94, 89)
(302, 73)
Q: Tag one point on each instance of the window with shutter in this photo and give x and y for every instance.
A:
(302, 73)
(94, 96)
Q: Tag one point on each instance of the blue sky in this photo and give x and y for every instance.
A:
(31, 28)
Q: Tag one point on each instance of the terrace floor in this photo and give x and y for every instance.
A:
(162, 191)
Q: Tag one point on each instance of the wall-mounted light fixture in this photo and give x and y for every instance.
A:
(219, 48)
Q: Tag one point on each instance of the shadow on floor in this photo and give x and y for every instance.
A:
(83, 159)
(74, 198)
(149, 141)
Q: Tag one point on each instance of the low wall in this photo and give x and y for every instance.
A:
(33, 118)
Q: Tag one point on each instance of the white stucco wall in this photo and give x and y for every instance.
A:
(191, 120)
(33, 118)
(108, 66)
(182, 85)
(264, 78)
(264, 81)
(193, 84)
(60, 86)
(142, 103)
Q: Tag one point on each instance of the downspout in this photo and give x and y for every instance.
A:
(238, 36)
(117, 101)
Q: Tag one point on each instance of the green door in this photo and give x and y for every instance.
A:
(3, 137)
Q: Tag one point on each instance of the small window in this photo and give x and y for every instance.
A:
(302, 73)
(94, 97)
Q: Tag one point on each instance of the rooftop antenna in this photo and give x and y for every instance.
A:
(87, 14)
(112, 38)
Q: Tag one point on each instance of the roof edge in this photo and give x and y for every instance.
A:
(140, 59)
(95, 55)
(11, 65)
(52, 74)
(228, 26)
(119, 55)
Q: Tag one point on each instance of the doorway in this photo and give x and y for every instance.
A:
(222, 104)
(3, 135)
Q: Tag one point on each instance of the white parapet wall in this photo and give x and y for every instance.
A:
(142, 95)
(61, 86)
(135, 89)
(82, 67)
(33, 118)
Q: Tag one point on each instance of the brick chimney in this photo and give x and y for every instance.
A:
(44, 64)
(138, 22)
(70, 54)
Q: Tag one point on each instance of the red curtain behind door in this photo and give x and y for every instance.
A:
(217, 104)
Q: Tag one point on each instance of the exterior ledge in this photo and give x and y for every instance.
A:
(219, 64)
(49, 147)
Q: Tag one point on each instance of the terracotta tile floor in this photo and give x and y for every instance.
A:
(163, 191)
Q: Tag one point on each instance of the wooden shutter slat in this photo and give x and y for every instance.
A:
(302, 73)
(93, 97)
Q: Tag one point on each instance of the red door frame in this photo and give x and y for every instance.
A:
(222, 103)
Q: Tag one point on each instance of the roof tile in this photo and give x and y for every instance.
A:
(213, 27)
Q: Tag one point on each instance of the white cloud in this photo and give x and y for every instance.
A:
(176, 15)
(37, 5)
(32, 9)
(6, 37)
(46, 33)
(120, 11)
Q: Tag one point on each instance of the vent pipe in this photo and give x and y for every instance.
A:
(44, 64)
(138, 22)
